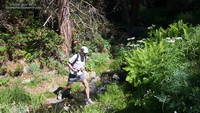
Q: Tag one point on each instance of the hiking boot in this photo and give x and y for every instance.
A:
(59, 97)
(70, 96)
(89, 101)
(66, 94)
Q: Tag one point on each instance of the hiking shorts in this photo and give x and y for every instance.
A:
(76, 78)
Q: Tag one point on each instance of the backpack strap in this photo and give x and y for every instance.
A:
(75, 59)
(85, 59)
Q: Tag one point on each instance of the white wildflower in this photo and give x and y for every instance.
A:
(141, 41)
(168, 38)
(131, 38)
(151, 27)
(179, 38)
(171, 41)
(132, 45)
(136, 45)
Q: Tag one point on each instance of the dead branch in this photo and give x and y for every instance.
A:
(47, 20)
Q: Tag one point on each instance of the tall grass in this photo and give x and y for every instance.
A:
(98, 62)
(16, 98)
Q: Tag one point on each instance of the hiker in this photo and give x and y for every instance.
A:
(76, 66)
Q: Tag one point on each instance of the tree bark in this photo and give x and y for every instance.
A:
(65, 25)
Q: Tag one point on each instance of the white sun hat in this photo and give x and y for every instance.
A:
(84, 49)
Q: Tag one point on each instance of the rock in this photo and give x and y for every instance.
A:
(52, 101)
(92, 85)
(3, 76)
(66, 107)
(93, 88)
(26, 69)
(95, 79)
(106, 82)
(101, 89)
(19, 109)
(115, 77)
(91, 75)
(52, 88)
(97, 90)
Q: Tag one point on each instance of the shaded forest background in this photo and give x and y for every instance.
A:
(132, 17)
(152, 46)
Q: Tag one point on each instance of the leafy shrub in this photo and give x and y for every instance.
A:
(43, 40)
(101, 44)
(98, 62)
(33, 43)
(56, 65)
(144, 65)
(3, 49)
(191, 45)
(2, 43)
(3, 70)
(96, 44)
(163, 69)
(119, 58)
(62, 69)
(4, 81)
(27, 55)
(33, 68)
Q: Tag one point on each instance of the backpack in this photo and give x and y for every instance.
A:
(77, 59)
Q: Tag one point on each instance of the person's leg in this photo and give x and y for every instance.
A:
(68, 86)
(65, 92)
(87, 92)
(87, 89)
(71, 80)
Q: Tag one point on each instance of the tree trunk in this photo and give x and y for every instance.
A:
(65, 25)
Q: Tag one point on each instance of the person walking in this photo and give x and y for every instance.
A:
(76, 66)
